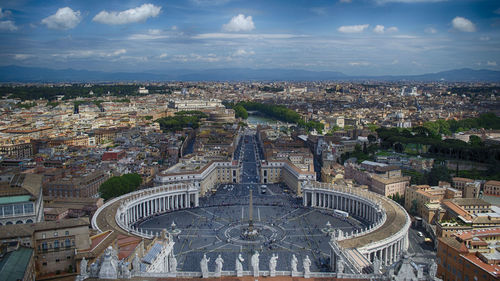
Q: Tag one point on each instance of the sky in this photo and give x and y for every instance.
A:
(356, 37)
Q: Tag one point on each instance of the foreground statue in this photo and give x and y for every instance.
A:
(294, 263)
(239, 265)
(306, 262)
(204, 266)
(218, 266)
(255, 264)
(272, 265)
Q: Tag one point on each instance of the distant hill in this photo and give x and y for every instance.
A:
(33, 74)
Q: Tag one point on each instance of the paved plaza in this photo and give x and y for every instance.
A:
(216, 226)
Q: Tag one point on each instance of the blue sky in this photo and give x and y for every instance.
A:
(358, 37)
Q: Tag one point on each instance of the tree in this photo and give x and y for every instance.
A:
(414, 208)
(116, 186)
(372, 138)
(475, 141)
(439, 172)
(398, 147)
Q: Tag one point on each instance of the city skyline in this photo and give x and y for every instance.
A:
(372, 37)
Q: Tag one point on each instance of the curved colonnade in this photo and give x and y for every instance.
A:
(139, 205)
(389, 227)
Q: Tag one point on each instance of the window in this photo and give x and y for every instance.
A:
(57, 260)
(67, 243)
(44, 264)
(68, 257)
(18, 209)
(55, 234)
(44, 246)
(66, 233)
(56, 244)
(43, 235)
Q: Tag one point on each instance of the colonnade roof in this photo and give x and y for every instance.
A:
(396, 219)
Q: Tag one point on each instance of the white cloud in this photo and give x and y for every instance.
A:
(430, 30)
(231, 36)
(491, 63)
(392, 29)
(8, 25)
(353, 28)
(152, 34)
(81, 54)
(239, 23)
(64, 18)
(463, 24)
(497, 11)
(345, 1)
(358, 63)
(137, 14)
(22, 56)
(395, 61)
(408, 1)
(484, 38)
(380, 29)
(243, 53)
(162, 56)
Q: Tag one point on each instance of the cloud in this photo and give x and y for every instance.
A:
(497, 11)
(320, 11)
(22, 56)
(491, 63)
(239, 23)
(243, 53)
(8, 25)
(209, 2)
(395, 61)
(64, 18)
(345, 1)
(359, 63)
(162, 56)
(137, 14)
(463, 24)
(152, 34)
(408, 1)
(81, 54)
(231, 36)
(380, 29)
(353, 28)
(430, 30)
(484, 38)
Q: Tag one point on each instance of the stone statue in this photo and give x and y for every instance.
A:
(306, 262)
(204, 266)
(218, 266)
(172, 261)
(376, 265)
(294, 263)
(124, 271)
(255, 264)
(83, 267)
(239, 265)
(340, 265)
(136, 267)
(433, 269)
(94, 270)
(272, 265)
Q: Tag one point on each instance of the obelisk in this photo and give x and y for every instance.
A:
(250, 213)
